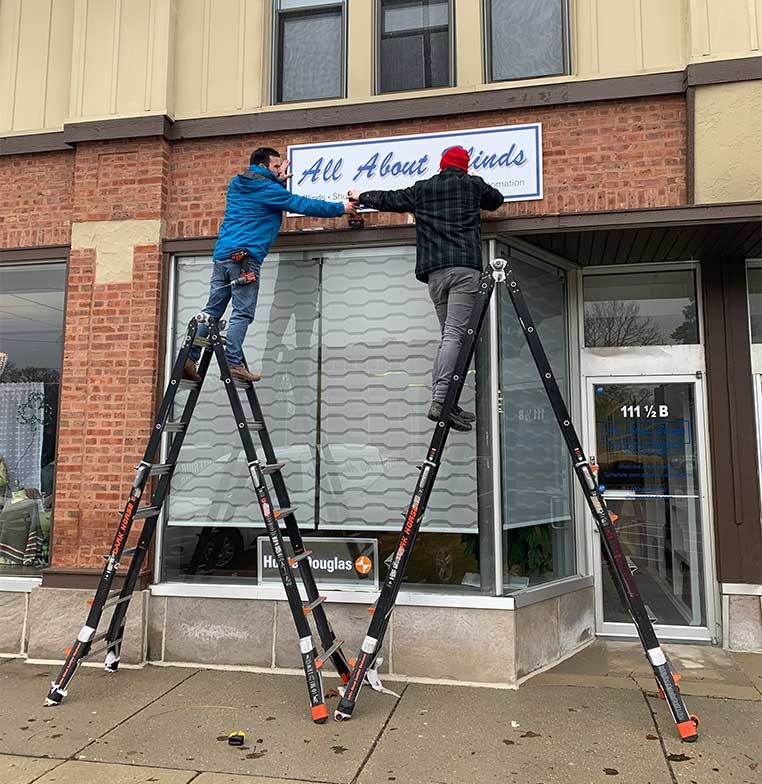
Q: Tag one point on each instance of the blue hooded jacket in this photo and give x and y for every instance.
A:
(254, 211)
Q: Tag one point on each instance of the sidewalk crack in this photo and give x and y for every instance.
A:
(378, 737)
(673, 777)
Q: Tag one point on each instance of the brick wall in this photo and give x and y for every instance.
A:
(603, 156)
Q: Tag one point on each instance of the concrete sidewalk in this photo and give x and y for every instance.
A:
(594, 718)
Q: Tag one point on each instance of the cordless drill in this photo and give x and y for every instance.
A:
(247, 276)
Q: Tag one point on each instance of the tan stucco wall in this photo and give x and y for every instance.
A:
(114, 243)
(73, 60)
(728, 142)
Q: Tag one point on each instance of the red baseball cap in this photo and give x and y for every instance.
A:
(455, 156)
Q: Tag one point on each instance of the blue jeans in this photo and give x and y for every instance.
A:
(244, 306)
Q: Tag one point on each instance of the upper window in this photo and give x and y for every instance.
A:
(414, 46)
(641, 309)
(31, 351)
(309, 50)
(526, 38)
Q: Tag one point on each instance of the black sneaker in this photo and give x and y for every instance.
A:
(455, 422)
(466, 416)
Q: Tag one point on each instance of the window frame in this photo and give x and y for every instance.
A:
(307, 10)
(378, 32)
(565, 45)
(36, 257)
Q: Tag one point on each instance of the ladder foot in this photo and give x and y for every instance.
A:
(55, 696)
(341, 716)
(320, 713)
(687, 729)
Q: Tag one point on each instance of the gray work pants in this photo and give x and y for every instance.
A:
(453, 291)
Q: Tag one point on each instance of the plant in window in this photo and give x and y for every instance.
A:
(529, 550)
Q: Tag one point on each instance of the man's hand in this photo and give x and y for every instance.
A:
(350, 208)
(283, 173)
(353, 196)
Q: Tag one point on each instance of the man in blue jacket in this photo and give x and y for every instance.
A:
(254, 210)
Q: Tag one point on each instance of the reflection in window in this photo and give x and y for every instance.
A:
(345, 389)
(537, 515)
(31, 343)
(415, 44)
(309, 32)
(526, 38)
(755, 303)
(640, 309)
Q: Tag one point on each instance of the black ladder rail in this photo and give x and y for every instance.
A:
(306, 644)
(612, 548)
(325, 631)
(84, 641)
(115, 632)
(428, 471)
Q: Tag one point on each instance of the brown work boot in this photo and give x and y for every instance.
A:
(189, 371)
(242, 374)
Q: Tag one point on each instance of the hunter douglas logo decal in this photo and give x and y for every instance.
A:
(509, 158)
(337, 562)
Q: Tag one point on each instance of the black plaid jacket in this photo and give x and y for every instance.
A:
(448, 223)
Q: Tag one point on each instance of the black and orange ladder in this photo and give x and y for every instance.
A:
(105, 598)
(500, 272)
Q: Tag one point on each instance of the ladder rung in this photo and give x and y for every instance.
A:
(254, 424)
(321, 660)
(102, 649)
(204, 342)
(99, 637)
(175, 427)
(131, 551)
(308, 608)
(300, 557)
(285, 512)
(161, 468)
(186, 383)
(240, 383)
(146, 512)
(117, 600)
(271, 468)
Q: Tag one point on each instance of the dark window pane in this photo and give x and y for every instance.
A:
(31, 343)
(415, 45)
(526, 38)
(640, 309)
(755, 303)
(305, 40)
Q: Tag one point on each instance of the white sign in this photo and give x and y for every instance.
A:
(508, 158)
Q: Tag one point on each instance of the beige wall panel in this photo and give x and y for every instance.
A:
(469, 42)
(189, 37)
(584, 38)
(10, 22)
(618, 36)
(99, 54)
(728, 154)
(59, 63)
(255, 53)
(729, 26)
(223, 88)
(361, 49)
(664, 28)
(31, 77)
(135, 29)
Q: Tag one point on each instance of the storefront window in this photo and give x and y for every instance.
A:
(344, 345)
(31, 342)
(538, 539)
(640, 309)
(755, 302)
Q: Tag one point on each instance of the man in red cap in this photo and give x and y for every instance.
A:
(448, 255)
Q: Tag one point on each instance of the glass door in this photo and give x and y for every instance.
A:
(649, 445)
